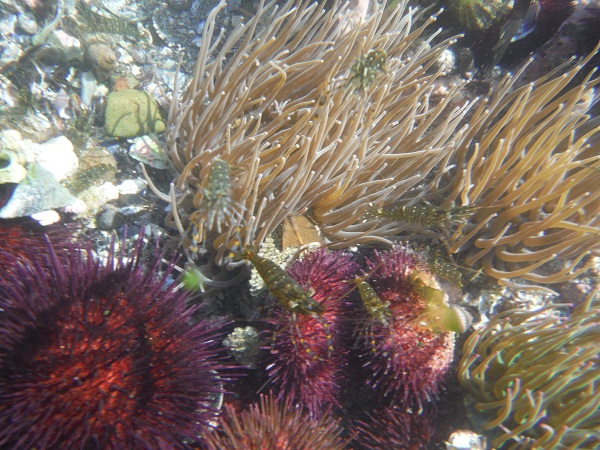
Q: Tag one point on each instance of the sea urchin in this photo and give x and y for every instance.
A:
(101, 356)
(308, 357)
(409, 354)
(276, 425)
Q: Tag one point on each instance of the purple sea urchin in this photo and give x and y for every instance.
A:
(395, 428)
(307, 356)
(406, 358)
(102, 357)
(23, 238)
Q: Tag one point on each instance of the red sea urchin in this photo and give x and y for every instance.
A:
(24, 238)
(307, 356)
(406, 359)
(101, 357)
(274, 424)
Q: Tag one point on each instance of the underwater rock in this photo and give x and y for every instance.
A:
(97, 196)
(576, 36)
(67, 44)
(479, 14)
(38, 191)
(57, 156)
(89, 85)
(18, 154)
(131, 113)
(12, 169)
(149, 150)
(132, 187)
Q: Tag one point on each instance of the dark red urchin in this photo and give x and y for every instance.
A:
(24, 238)
(275, 424)
(302, 367)
(405, 361)
(102, 357)
(395, 428)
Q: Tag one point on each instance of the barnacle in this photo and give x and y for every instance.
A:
(534, 377)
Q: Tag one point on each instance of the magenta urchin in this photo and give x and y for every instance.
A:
(406, 357)
(308, 356)
(102, 356)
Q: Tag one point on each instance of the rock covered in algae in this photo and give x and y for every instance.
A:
(479, 14)
(131, 113)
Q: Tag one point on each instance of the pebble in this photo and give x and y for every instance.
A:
(132, 187)
(69, 45)
(109, 218)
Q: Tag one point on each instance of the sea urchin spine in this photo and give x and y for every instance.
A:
(310, 372)
(102, 357)
(405, 359)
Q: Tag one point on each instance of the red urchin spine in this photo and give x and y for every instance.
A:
(102, 356)
(308, 354)
(273, 423)
(395, 427)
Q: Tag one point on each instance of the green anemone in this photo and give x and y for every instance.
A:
(535, 377)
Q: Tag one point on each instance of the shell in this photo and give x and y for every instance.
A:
(464, 317)
(101, 58)
(466, 440)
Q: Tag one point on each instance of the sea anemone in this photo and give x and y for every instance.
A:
(280, 97)
(406, 357)
(102, 356)
(534, 377)
(528, 169)
(308, 355)
(273, 424)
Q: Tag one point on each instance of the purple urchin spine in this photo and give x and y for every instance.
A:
(308, 354)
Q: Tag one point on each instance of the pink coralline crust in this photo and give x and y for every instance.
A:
(102, 357)
(302, 368)
(406, 361)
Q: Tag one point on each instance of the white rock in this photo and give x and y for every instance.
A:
(67, 43)
(132, 187)
(46, 217)
(88, 87)
(96, 196)
(57, 156)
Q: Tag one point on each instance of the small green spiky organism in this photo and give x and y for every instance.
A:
(535, 377)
